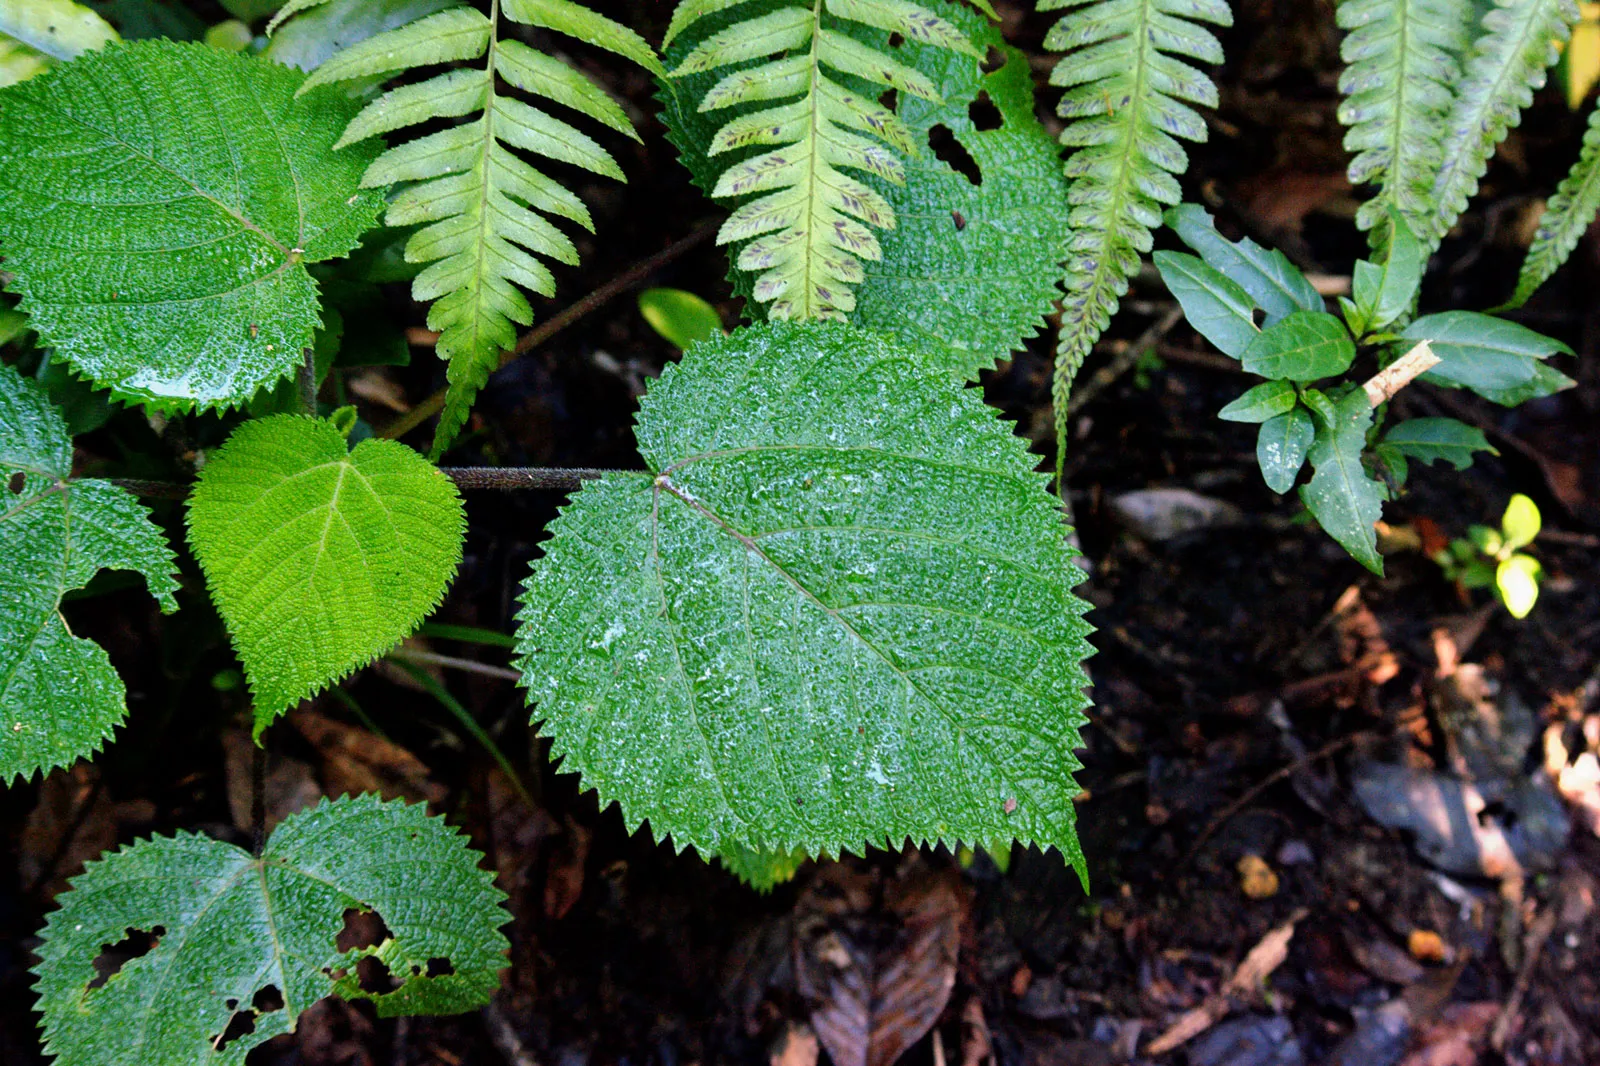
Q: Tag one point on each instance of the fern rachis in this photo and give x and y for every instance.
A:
(1127, 102)
(480, 204)
(813, 224)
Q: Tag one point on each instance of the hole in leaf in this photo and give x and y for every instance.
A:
(896, 40)
(890, 98)
(267, 1000)
(983, 113)
(374, 978)
(362, 929)
(953, 154)
(231, 1003)
(440, 968)
(113, 957)
(243, 1023)
(993, 60)
(17, 482)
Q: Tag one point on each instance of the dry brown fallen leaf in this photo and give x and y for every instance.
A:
(877, 971)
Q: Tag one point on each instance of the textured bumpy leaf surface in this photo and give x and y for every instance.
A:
(158, 204)
(1566, 218)
(484, 211)
(59, 696)
(969, 270)
(761, 870)
(836, 612)
(1402, 61)
(246, 944)
(1521, 39)
(320, 557)
(1128, 98)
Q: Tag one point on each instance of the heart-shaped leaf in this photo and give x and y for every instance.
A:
(320, 557)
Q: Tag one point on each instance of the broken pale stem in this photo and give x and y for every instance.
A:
(1382, 386)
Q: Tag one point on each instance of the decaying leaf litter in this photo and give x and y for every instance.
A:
(1414, 770)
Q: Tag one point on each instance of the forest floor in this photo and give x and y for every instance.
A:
(1330, 817)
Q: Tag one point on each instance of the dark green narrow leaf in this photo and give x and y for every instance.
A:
(1385, 293)
(1267, 400)
(1345, 500)
(1433, 439)
(1214, 304)
(1276, 285)
(1479, 352)
(1281, 448)
(1305, 346)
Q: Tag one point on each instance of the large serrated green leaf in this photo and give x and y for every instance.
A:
(969, 271)
(228, 926)
(59, 697)
(1343, 497)
(319, 557)
(836, 612)
(158, 204)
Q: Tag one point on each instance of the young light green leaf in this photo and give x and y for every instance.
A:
(1433, 439)
(1276, 285)
(980, 268)
(1566, 217)
(59, 697)
(1282, 446)
(1214, 304)
(682, 318)
(1385, 293)
(1267, 400)
(1478, 351)
(1303, 347)
(1517, 581)
(319, 557)
(60, 29)
(244, 944)
(835, 612)
(160, 237)
(1344, 499)
(1521, 522)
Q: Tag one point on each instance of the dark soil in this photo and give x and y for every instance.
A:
(1244, 673)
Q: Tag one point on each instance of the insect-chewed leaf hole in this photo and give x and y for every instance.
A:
(953, 154)
(439, 967)
(362, 930)
(374, 977)
(993, 60)
(983, 113)
(113, 957)
(18, 480)
(896, 40)
(266, 1000)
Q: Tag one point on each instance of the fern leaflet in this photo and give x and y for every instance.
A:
(808, 227)
(1126, 104)
(1522, 39)
(480, 204)
(1565, 218)
(1401, 58)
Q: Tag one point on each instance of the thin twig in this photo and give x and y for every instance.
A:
(258, 798)
(559, 479)
(1227, 813)
(561, 320)
(1532, 948)
(451, 662)
(523, 477)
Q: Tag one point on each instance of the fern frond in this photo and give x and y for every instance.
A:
(1565, 218)
(813, 224)
(1521, 39)
(1401, 59)
(481, 206)
(1127, 103)
(290, 9)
